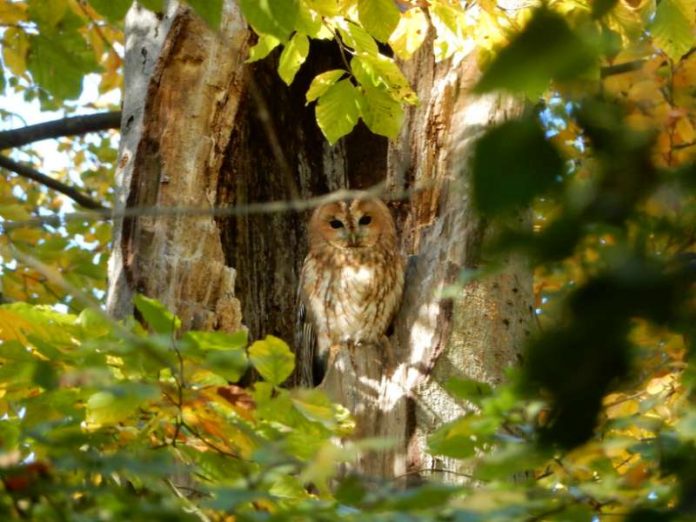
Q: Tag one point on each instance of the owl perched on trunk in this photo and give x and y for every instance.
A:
(351, 282)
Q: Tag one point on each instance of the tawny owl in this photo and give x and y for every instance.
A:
(351, 281)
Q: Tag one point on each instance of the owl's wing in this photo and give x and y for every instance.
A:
(305, 343)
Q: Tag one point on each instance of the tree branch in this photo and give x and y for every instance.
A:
(621, 68)
(28, 172)
(64, 127)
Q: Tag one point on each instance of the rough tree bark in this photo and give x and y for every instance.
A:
(202, 128)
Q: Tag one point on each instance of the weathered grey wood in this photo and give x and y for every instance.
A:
(183, 84)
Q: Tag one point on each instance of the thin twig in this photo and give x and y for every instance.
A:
(190, 506)
(28, 172)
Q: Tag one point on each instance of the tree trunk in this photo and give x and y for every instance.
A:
(201, 128)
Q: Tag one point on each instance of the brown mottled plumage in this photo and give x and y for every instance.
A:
(351, 281)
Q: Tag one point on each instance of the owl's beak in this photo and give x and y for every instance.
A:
(353, 239)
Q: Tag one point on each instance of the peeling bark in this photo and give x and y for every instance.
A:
(183, 84)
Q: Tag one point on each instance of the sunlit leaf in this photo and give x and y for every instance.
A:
(321, 83)
(381, 71)
(673, 27)
(274, 17)
(450, 30)
(117, 404)
(381, 113)
(378, 17)
(358, 39)
(293, 56)
(273, 359)
(156, 315)
(410, 34)
(14, 50)
(263, 47)
(337, 110)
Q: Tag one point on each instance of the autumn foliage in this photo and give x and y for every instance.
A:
(97, 415)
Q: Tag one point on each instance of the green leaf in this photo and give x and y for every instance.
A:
(382, 114)
(381, 71)
(602, 7)
(230, 364)
(546, 49)
(509, 460)
(455, 439)
(112, 10)
(357, 38)
(310, 23)
(379, 17)
(59, 60)
(273, 359)
(512, 164)
(45, 375)
(293, 56)
(450, 25)
(410, 34)
(325, 7)
(217, 340)
(262, 48)
(156, 6)
(321, 83)
(274, 17)
(116, 404)
(469, 389)
(337, 110)
(208, 10)
(161, 320)
(672, 27)
(222, 353)
(94, 325)
(48, 14)
(315, 406)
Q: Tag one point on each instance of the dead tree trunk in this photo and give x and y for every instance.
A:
(201, 128)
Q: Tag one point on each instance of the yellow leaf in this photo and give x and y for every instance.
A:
(685, 130)
(410, 33)
(14, 212)
(12, 326)
(14, 50)
(660, 384)
(96, 41)
(618, 405)
(12, 13)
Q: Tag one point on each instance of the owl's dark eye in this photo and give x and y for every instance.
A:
(365, 220)
(336, 223)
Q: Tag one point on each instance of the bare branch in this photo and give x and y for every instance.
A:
(621, 68)
(30, 173)
(73, 126)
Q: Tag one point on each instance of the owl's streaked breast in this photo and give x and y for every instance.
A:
(351, 281)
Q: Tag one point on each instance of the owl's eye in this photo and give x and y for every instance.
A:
(365, 220)
(336, 223)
